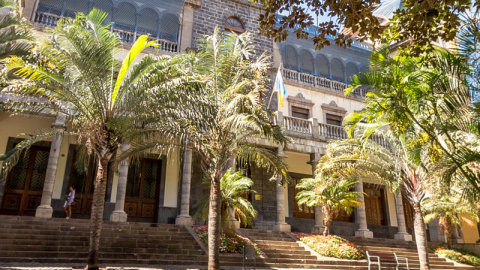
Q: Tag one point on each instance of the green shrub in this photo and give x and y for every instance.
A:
(458, 255)
(331, 246)
(230, 241)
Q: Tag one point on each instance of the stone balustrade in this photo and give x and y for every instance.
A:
(319, 82)
(50, 20)
(297, 127)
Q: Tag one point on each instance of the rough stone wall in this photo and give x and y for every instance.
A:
(213, 13)
(266, 207)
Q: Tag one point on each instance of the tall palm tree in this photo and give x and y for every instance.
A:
(394, 164)
(230, 121)
(233, 187)
(450, 210)
(107, 102)
(332, 194)
(15, 33)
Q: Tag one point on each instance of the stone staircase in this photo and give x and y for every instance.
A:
(60, 241)
(27, 240)
(282, 250)
(403, 249)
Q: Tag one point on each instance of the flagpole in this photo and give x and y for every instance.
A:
(271, 95)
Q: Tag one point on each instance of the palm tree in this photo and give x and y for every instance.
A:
(450, 210)
(15, 34)
(231, 118)
(394, 164)
(435, 94)
(233, 186)
(333, 195)
(107, 102)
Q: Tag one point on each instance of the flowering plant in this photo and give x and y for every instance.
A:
(458, 255)
(230, 241)
(331, 246)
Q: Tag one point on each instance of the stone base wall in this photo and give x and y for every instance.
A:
(167, 215)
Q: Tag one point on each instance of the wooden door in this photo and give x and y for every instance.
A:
(374, 206)
(82, 176)
(142, 194)
(301, 211)
(24, 185)
(408, 211)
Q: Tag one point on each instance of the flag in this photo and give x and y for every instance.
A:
(280, 87)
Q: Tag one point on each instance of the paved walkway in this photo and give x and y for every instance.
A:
(31, 266)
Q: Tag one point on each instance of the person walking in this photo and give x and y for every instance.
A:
(70, 200)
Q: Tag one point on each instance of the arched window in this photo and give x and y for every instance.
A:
(337, 70)
(50, 6)
(290, 59)
(74, 6)
(234, 24)
(350, 70)
(169, 27)
(106, 6)
(322, 66)
(148, 22)
(125, 17)
(306, 62)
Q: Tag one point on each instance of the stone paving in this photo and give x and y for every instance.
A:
(159, 267)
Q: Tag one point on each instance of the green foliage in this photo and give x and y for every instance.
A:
(458, 255)
(435, 98)
(230, 241)
(420, 22)
(330, 193)
(15, 34)
(331, 246)
(233, 186)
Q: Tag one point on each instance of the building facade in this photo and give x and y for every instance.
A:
(165, 190)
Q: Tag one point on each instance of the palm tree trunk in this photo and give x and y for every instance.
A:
(328, 221)
(448, 232)
(96, 218)
(214, 220)
(420, 237)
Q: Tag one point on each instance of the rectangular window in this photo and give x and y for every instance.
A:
(335, 120)
(300, 112)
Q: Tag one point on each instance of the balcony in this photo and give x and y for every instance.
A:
(320, 83)
(311, 129)
(45, 19)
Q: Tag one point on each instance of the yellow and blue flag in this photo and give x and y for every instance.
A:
(280, 87)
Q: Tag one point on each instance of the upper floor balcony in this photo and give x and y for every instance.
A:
(312, 129)
(320, 83)
(129, 19)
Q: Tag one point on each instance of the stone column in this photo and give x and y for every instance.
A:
(457, 237)
(233, 223)
(319, 216)
(361, 219)
(45, 210)
(281, 225)
(187, 24)
(184, 219)
(119, 214)
(402, 233)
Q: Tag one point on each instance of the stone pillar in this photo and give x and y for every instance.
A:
(187, 24)
(402, 233)
(119, 214)
(281, 225)
(457, 237)
(319, 216)
(361, 219)
(45, 210)
(184, 219)
(233, 223)
(28, 11)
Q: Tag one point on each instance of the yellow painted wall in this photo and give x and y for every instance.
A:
(172, 178)
(470, 231)
(13, 126)
(297, 163)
